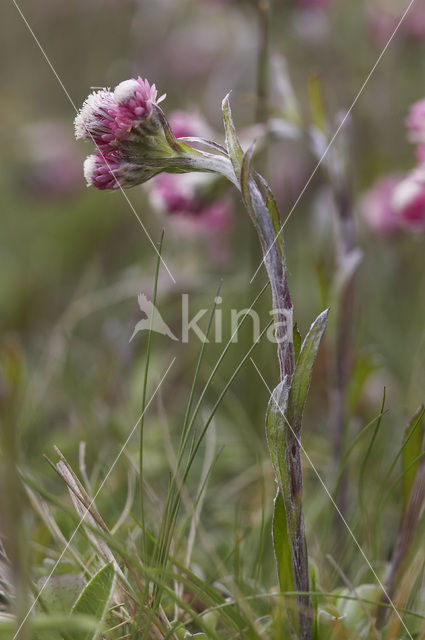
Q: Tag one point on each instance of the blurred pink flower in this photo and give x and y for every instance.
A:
(420, 153)
(408, 201)
(415, 122)
(54, 165)
(383, 17)
(376, 206)
(191, 203)
(415, 26)
(191, 199)
(187, 124)
(174, 195)
(396, 203)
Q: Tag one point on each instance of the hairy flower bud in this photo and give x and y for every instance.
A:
(111, 171)
(96, 120)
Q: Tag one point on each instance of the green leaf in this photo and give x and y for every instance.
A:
(95, 598)
(413, 448)
(366, 456)
(314, 571)
(365, 365)
(60, 591)
(244, 178)
(234, 148)
(282, 548)
(143, 409)
(297, 338)
(46, 626)
(276, 427)
(317, 103)
(303, 371)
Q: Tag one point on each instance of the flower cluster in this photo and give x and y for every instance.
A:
(135, 142)
(398, 202)
(132, 138)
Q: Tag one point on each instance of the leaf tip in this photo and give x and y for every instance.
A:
(225, 103)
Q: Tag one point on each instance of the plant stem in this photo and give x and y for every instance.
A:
(343, 352)
(274, 259)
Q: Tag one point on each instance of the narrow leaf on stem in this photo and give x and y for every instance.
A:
(304, 370)
(234, 148)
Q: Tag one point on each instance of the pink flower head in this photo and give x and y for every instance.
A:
(110, 171)
(135, 99)
(415, 122)
(408, 201)
(96, 119)
(108, 117)
(376, 206)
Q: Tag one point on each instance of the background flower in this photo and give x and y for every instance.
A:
(408, 201)
(51, 164)
(377, 205)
